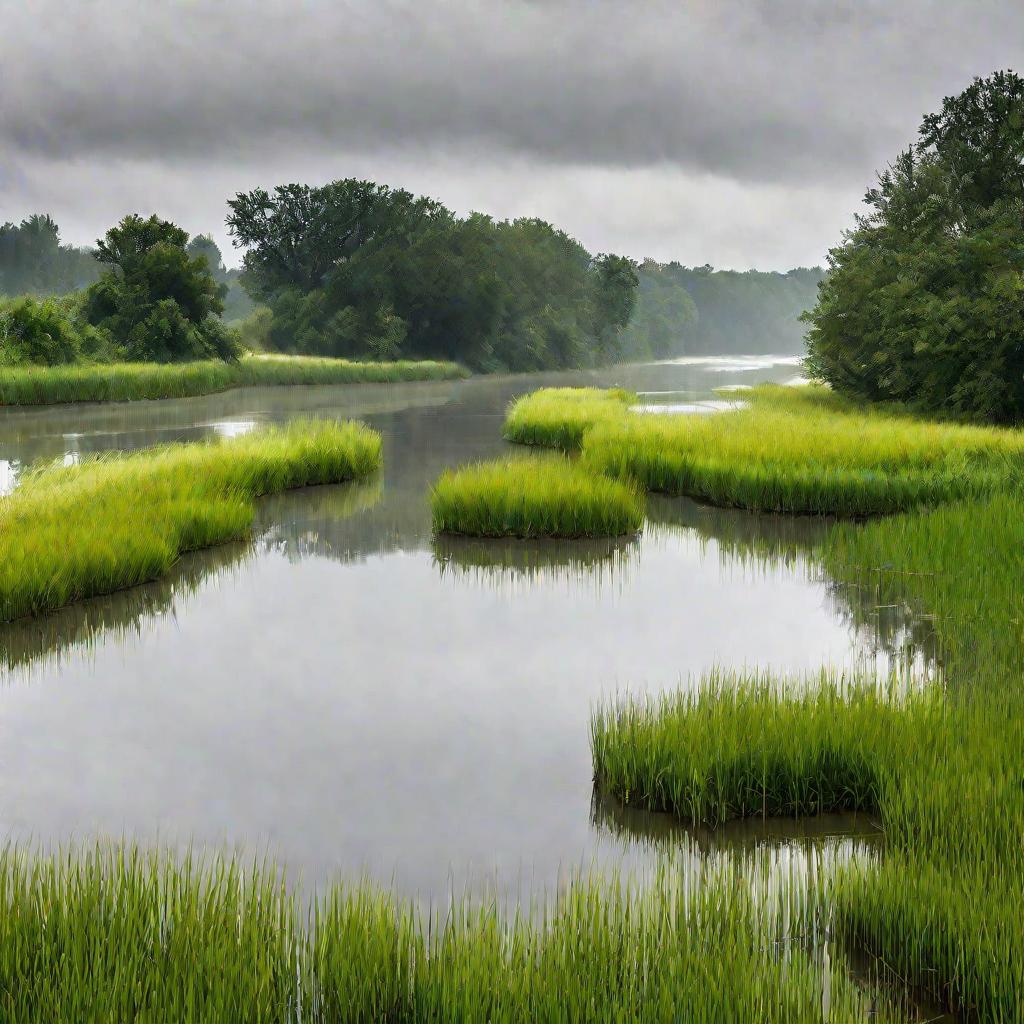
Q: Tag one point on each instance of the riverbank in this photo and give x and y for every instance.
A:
(130, 382)
(72, 532)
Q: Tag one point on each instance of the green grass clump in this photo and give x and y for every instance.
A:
(126, 382)
(941, 764)
(73, 532)
(534, 497)
(116, 935)
(796, 450)
(559, 417)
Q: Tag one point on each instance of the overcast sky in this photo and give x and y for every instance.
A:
(736, 133)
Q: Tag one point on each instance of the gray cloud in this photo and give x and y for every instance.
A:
(769, 95)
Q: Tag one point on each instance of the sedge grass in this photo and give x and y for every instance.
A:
(534, 497)
(793, 450)
(74, 532)
(124, 382)
(940, 766)
(940, 906)
(118, 935)
(560, 417)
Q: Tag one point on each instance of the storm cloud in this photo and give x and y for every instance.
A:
(738, 133)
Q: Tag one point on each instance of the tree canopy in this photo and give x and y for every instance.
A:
(924, 302)
(155, 300)
(358, 269)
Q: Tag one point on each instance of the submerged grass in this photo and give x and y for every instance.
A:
(534, 497)
(73, 532)
(795, 450)
(125, 382)
(115, 935)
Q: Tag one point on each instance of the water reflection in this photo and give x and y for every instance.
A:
(511, 561)
(742, 836)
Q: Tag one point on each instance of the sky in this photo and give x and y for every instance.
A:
(741, 134)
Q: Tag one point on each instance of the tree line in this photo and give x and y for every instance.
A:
(699, 311)
(359, 270)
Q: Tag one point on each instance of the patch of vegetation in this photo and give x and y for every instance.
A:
(559, 417)
(940, 763)
(126, 382)
(534, 497)
(115, 934)
(68, 533)
(795, 449)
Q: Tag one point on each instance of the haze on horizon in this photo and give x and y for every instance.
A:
(740, 134)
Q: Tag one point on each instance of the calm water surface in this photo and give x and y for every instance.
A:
(350, 699)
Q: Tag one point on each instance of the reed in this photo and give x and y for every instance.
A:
(81, 531)
(534, 497)
(127, 382)
(115, 934)
(793, 450)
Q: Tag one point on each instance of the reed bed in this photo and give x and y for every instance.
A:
(81, 531)
(793, 450)
(127, 382)
(534, 497)
(115, 934)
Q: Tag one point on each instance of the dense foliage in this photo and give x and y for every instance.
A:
(34, 262)
(361, 270)
(699, 310)
(156, 301)
(924, 302)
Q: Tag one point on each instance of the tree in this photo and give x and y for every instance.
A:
(360, 270)
(156, 301)
(33, 260)
(205, 246)
(296, 236)
(924, 300)
(615, 285)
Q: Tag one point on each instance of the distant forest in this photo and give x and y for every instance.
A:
(699, 310)
(359, 270)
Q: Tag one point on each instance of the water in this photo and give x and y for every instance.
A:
(350, 699)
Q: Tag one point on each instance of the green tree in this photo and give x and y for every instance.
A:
(359, 270)
(615, 285)
(156, 301)
(924, 301)
(33, 260)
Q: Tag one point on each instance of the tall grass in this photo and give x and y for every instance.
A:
(72, 532)
(559, 417)
(794, 450)
(115, 935)
(535, 497)
(941, 766)
(125, 382)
